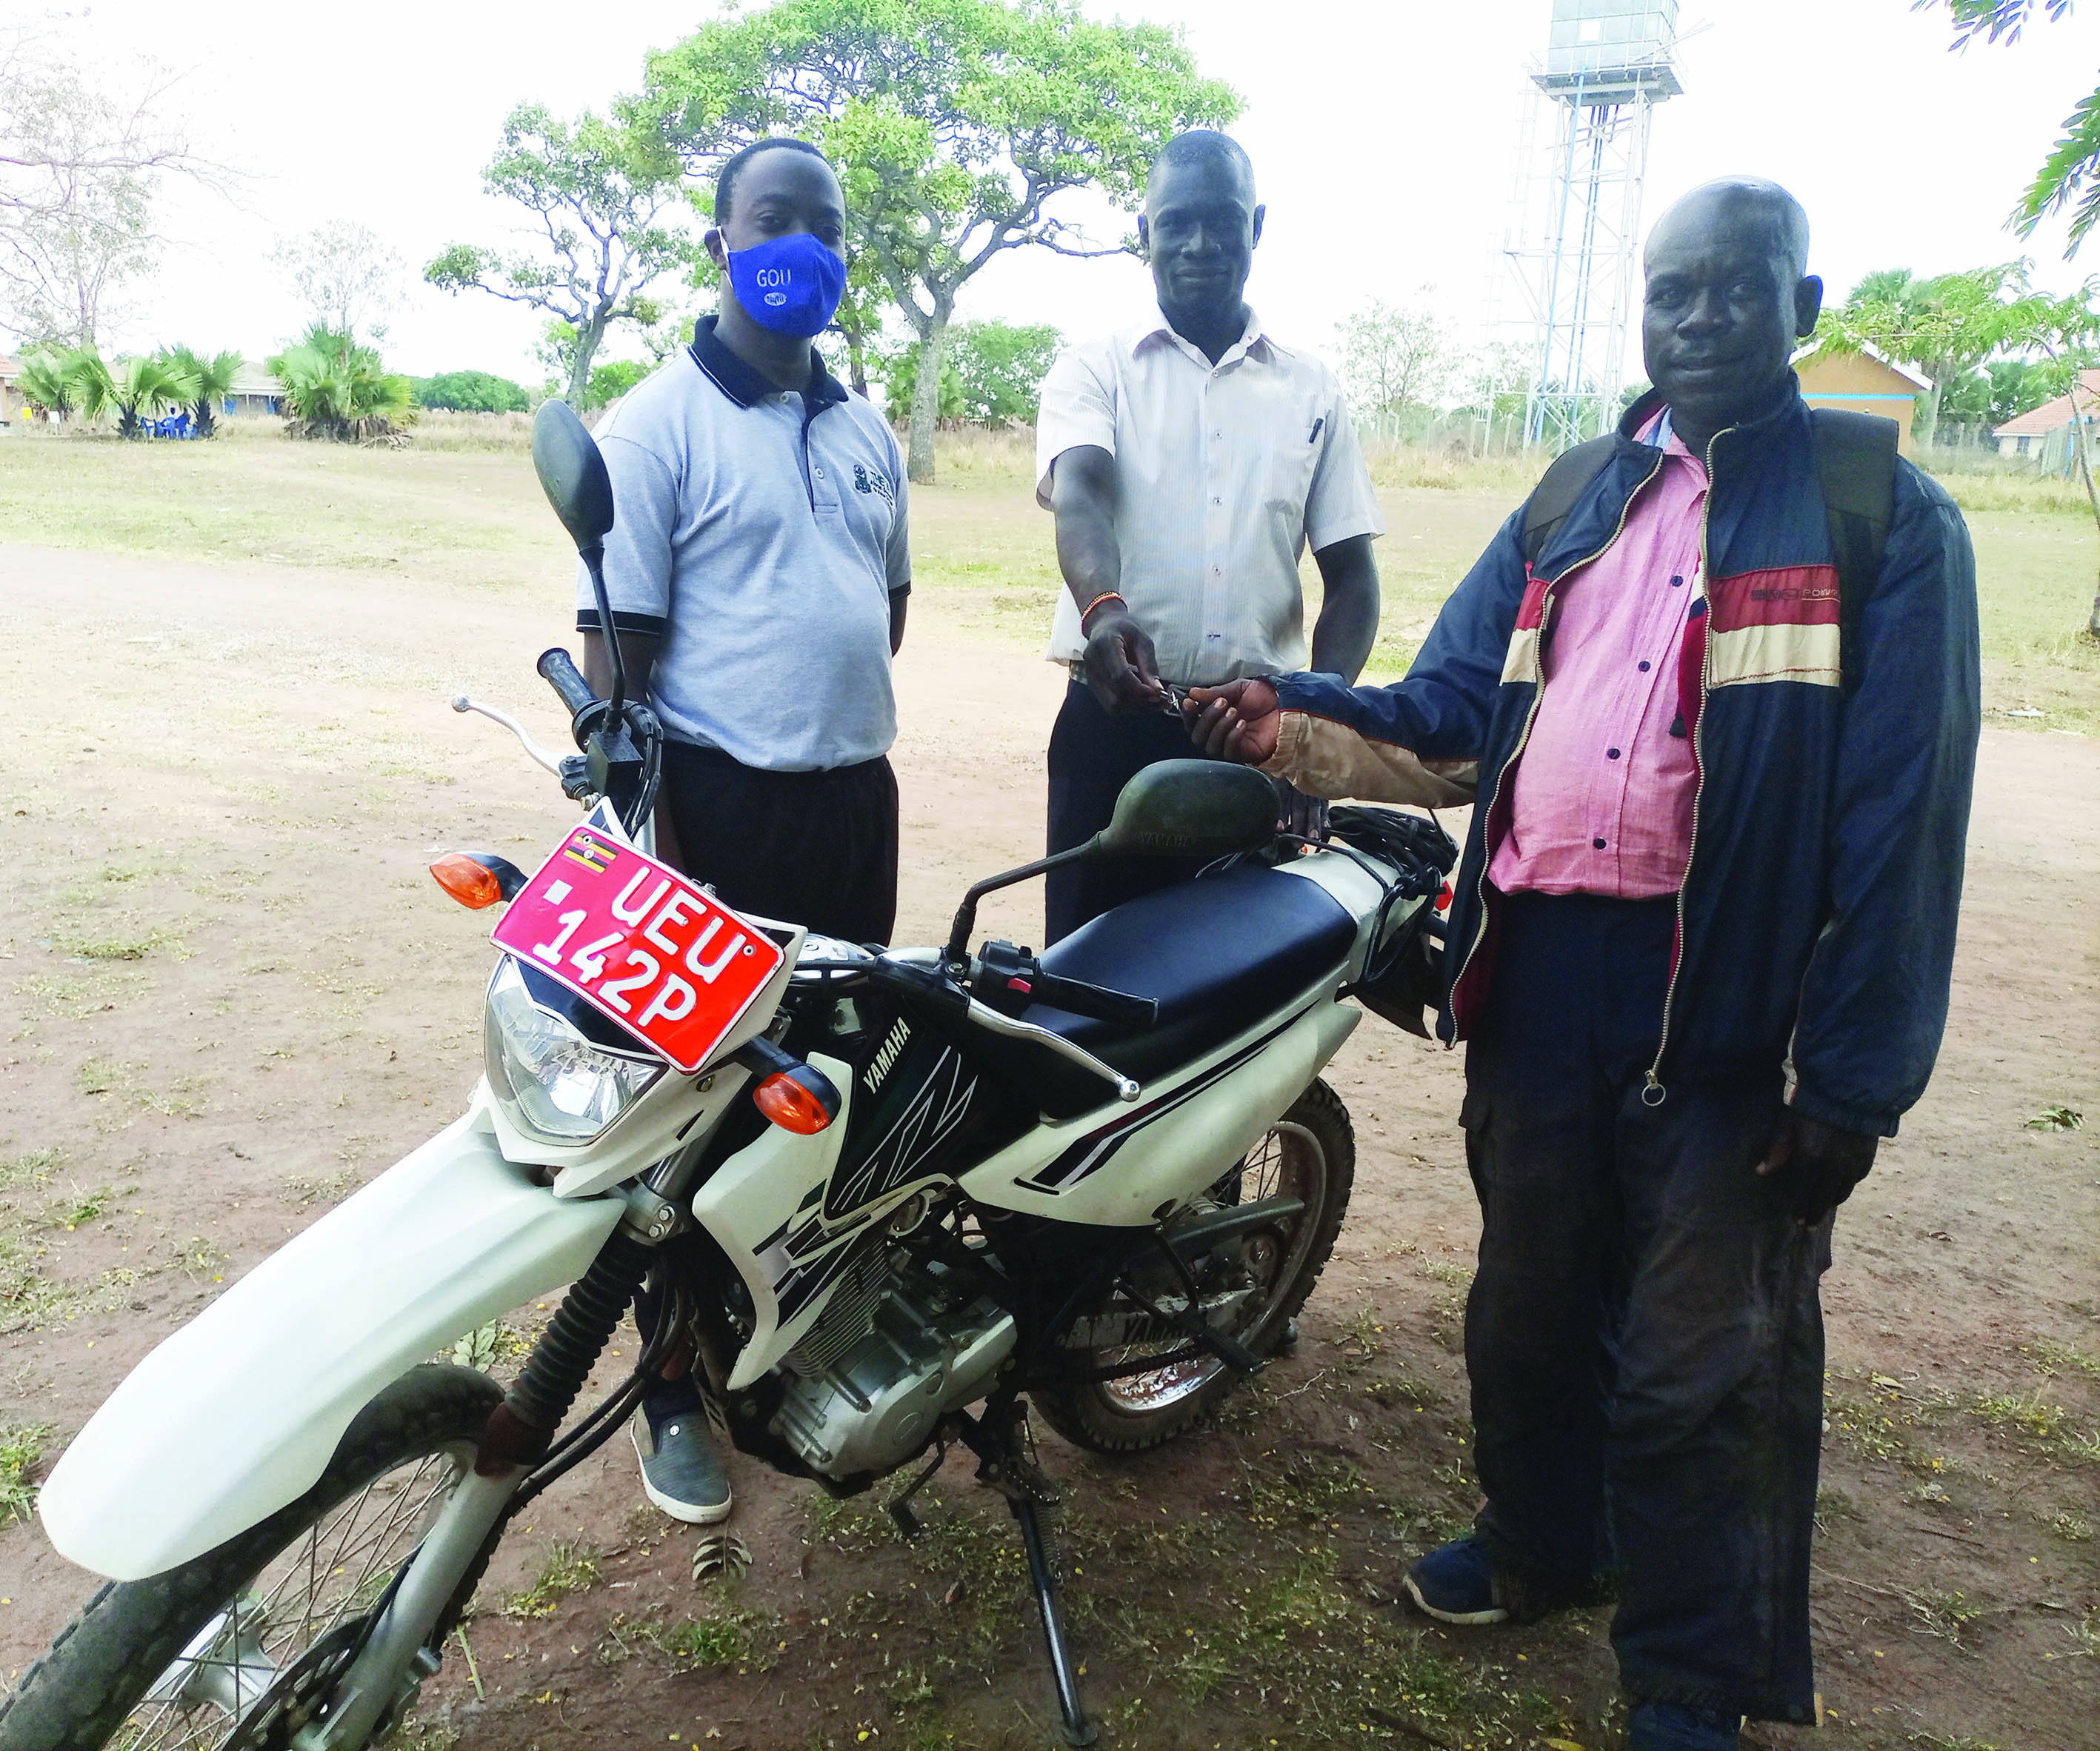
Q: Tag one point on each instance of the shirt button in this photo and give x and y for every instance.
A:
(1598, 843)
(1674, 582)
(1217, 501)
(1644, 665)
(1611, 753)
(820, 473)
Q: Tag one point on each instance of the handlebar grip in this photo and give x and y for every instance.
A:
(561, 673)
(1076, 997)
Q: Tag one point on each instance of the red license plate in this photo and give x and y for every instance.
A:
(641, 943)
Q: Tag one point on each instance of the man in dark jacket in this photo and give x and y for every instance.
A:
(1701, 945)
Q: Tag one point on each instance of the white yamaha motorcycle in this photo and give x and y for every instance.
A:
(885, 1200)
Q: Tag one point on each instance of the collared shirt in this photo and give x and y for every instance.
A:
(1602, 795)
(761, 536)
(1224, 472)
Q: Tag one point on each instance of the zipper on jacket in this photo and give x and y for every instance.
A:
(1524, 735)
(1653, 1094)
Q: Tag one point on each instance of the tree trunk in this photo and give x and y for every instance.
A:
(2077, 418)
(588, 336)
(926, 398)
(206, 424)
(856, 360)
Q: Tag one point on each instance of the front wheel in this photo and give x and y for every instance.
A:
(1251, 1287)
(235, 1648)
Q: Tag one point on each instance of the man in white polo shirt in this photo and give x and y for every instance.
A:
(1190, 460)
(757, 571)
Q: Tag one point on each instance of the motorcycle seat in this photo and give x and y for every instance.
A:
(1216, 955)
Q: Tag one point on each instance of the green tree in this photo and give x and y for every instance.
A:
(604, 194)
(136, 390)
(1000, 366)
(335, 387)
(1395, 359)
(471, 392)
(212, 375)
(613, 379)
(2069, 175)
(899, 366)
(957, 125)
(45, 385)
(1946, 325)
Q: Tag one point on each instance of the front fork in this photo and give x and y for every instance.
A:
(517, 1458)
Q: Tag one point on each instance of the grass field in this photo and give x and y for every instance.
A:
(460, 504)
(229, 994)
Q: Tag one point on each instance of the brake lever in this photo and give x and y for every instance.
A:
(925, 982)
(461, 702)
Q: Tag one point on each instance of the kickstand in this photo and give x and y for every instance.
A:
(1006, 1461)
(1078, 1730)
(900, 1509)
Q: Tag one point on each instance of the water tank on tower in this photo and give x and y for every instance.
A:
(1571, 252)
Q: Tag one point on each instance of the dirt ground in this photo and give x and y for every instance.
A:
(229, 993)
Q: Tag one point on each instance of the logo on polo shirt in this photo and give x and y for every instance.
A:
(878, 484)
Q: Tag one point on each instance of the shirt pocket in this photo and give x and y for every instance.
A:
(1285, 451)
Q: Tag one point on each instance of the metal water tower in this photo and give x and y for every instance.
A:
(1607, 65)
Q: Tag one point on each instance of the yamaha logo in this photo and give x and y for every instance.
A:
(886, 1057)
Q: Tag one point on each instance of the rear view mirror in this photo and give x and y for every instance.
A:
(1192, 808)
(572, 473)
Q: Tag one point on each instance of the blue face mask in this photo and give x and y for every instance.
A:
(790, 284)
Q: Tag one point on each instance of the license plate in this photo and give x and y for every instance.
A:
(642, 943)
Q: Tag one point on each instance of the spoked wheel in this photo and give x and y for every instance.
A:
(237, 1649)
(1250, 1287)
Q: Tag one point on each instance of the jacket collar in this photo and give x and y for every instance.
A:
(745, 386)
(1791, 408)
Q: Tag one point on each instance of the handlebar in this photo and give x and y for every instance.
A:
(560, 672)
(1076, 997)
(932, 987)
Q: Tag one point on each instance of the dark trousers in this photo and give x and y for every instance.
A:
(1093, 756)
(816, 849)
(1644, 1334)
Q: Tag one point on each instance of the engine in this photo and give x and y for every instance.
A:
(892, 1353)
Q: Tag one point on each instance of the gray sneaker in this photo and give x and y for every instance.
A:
(681, 1469)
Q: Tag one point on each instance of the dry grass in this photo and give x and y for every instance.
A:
(460, 504)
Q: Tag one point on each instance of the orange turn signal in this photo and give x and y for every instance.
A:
(467, 881)
(790, 1105)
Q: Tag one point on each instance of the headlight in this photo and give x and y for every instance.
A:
(548, 1077)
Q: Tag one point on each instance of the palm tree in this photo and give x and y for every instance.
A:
(138, 388)
(94, 391)
(45, 386)
(335, 388)
(213, 376)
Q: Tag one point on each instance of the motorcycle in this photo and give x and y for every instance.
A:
(885, 1201)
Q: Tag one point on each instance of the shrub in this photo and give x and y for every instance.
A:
(335, 388)
(470, 392)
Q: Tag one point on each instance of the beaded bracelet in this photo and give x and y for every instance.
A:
(1106, 595)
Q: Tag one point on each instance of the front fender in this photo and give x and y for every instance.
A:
(238, 1413)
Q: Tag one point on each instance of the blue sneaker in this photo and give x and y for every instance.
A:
(1458, 1585)
(681, 1468)
(1672, 1727)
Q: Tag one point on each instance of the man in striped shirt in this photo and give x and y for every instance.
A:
(1190, 460)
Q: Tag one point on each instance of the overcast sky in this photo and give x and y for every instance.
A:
(1384, 134)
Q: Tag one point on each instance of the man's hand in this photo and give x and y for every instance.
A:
(1305, 817)
(1237, 722)
(1817, 1164)
(1120, 668)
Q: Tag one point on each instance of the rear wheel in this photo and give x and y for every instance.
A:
(1251, 1287)
(234, 1648)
